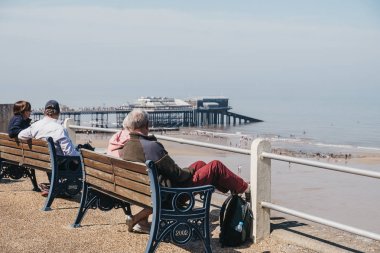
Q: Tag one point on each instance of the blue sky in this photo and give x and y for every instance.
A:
(110, 52)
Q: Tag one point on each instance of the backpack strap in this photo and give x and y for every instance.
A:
(223, 209)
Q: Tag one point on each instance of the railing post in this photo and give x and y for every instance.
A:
(71, 132)
(260, 189)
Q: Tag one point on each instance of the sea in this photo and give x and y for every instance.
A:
(313, 125)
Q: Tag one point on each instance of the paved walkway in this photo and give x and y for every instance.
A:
(24, 228)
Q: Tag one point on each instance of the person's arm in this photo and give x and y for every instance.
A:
(155, 151)
(15, 126)
(169, 169)
(25, 134)
(67, 145)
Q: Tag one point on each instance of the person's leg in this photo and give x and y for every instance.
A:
(197, 165)
(218, 175)
(141, 216)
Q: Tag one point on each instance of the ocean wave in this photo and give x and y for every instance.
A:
(310, 142)
(369, 148)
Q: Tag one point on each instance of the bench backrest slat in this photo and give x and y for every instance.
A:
(18, 152)
(127, 193)
(27, 161)
(127, 179)
(138, 177)
(32, 152)
(6, 141)
(96, 165)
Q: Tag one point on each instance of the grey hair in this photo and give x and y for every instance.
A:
(51, 112)
(125, 122)
(136, 119)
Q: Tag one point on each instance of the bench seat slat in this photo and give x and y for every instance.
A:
(128, 194)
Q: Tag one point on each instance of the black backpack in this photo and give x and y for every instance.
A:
(235, 210)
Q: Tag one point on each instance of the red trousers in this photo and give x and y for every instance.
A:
(217, 174)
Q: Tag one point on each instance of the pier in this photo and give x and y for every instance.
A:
(163, 112)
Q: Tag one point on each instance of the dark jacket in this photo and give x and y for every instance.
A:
(16, 124)
(140, 148)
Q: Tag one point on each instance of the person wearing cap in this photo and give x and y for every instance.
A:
(49, 126)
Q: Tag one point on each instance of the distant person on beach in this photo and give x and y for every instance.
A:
(20, 119)
(142, 147)
(49, 126)
(117, 141)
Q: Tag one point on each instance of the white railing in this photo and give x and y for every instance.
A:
(69, 125)
(260, 178)
(261, 196)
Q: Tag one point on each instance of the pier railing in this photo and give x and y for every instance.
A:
(260, 178)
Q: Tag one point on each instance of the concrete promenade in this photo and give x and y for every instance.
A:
(24, 228)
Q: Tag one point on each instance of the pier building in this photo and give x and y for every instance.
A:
(163, 112)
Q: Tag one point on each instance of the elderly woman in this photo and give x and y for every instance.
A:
(117, 141)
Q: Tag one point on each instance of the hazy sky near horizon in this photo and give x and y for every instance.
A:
(90, 53)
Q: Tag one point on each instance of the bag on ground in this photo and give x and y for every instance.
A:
(235, 221)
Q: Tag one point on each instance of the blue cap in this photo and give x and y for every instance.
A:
(52, 104)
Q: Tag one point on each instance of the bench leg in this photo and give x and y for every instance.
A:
(208, 248)
(154, 236)
(32, 176)
(205, 238)
(152, 243)
(2, 170)
(127, 209)
(53, 191)
(85, 203)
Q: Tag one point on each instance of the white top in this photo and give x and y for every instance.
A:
(49, 127)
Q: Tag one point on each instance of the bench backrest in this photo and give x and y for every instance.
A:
(117, 177)
(32, 153)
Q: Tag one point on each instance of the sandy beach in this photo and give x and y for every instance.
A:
(347, 199)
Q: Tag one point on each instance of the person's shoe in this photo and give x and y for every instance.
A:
(141, 228)
(44, 186)
(248, 194)
(44, 193)
(129, 222)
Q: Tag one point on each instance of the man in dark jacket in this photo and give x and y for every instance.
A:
(142, 147)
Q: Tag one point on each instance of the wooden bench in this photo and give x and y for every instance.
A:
(21, 158)
(115, 183)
